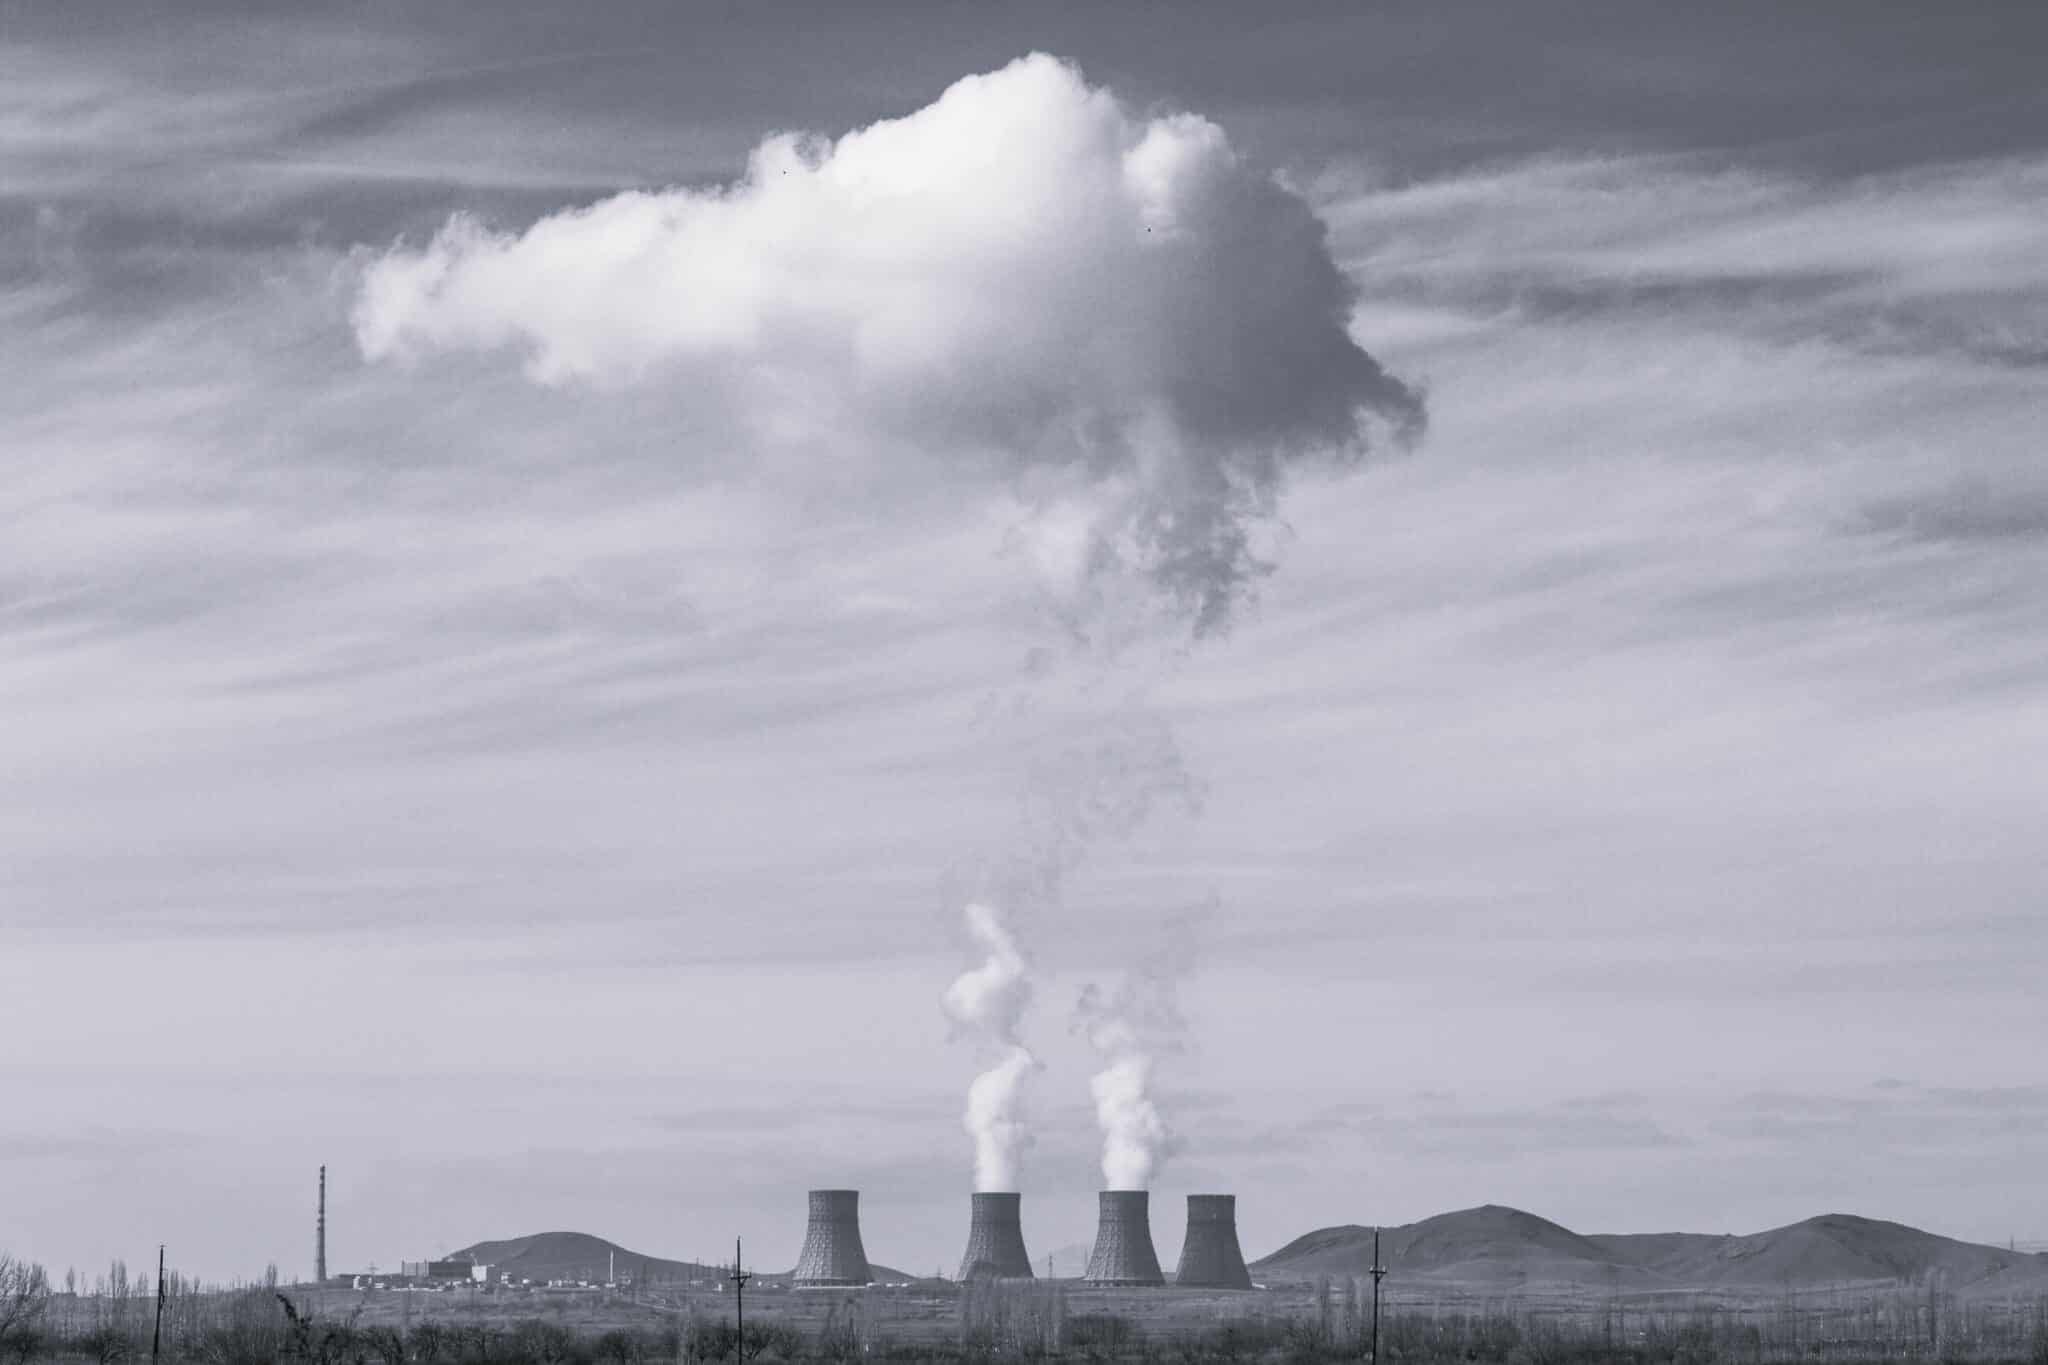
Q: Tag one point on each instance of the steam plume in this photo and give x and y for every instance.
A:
(994, 1119)
(988, 1003)
(1134, 1136)
(1113, 318)
(1130, 1028)
(1117, 315)
(1089, 779)
(1098, 781)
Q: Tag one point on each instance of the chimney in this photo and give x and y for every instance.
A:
(995, 1241)
(1123, 1254)
(320, 1234)
(1210, 1258)
(832, 1255)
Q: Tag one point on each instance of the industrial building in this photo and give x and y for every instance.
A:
(1123, 1256)
(446, 1272)
(833, 1257)
(1210, 1257)
(995, 1240)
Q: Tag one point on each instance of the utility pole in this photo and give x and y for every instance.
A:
(156, 1336)
(1378, 1272)
(739, 1280)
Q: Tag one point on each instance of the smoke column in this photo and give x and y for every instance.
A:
(988, 1003)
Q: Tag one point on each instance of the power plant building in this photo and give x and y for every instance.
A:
(833, 1257)
(995, 1240)
(446, 1272)
(1210, 1257)
(1123, 1256)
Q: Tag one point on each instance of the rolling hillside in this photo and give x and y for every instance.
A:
(578, 1256)
(1492, 1246)
(1834, 1248)
(1495, 1247)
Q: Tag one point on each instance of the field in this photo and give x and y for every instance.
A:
(1286, 1324)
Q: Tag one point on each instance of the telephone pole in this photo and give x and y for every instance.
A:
(739, 1280)
(1378, 1272)
(156, 1336)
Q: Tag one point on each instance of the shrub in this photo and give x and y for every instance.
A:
(105, 1344)
(1101, 1332)
(616, 1348)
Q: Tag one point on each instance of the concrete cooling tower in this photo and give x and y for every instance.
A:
(995, 1240)
(1123, 1254)
(1210, 1258)
(832, 1255)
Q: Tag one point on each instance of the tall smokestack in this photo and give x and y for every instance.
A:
(1210, 1258)
(995, 1240)
(320, 1234)
(832, 1255)
(1123, 1254)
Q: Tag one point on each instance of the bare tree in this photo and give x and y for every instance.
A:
(24, 1300)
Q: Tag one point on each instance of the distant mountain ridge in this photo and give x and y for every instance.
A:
(545, 1256)
(1491, 1248)
(1495, 1247)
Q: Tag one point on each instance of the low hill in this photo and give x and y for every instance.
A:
(1068, 1261)
(579, 1256)
(1491, 1245)
(1835, 1248)
(1494, 1247)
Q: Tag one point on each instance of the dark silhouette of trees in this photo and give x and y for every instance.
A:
(24, 1303)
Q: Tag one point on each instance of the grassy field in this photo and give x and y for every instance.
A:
(919, 1313)
(1290, 1324)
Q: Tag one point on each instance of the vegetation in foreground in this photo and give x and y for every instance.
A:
(269, 1324)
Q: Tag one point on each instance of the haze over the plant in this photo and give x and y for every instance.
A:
(550, 803)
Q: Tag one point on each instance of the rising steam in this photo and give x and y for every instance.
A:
(987, 1003)
(1089, 779)
(1115, 316)
(1095, 780)
(1130, 1028)
(1134, 1136)
(1022, 289)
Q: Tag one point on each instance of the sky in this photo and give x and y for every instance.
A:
(509, 689)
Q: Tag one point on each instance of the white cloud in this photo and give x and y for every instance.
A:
(1021, 278)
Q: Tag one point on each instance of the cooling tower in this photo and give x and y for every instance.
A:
(832, 1255)
(1123, 1252)
(995, 1240)
(1210, 1258)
